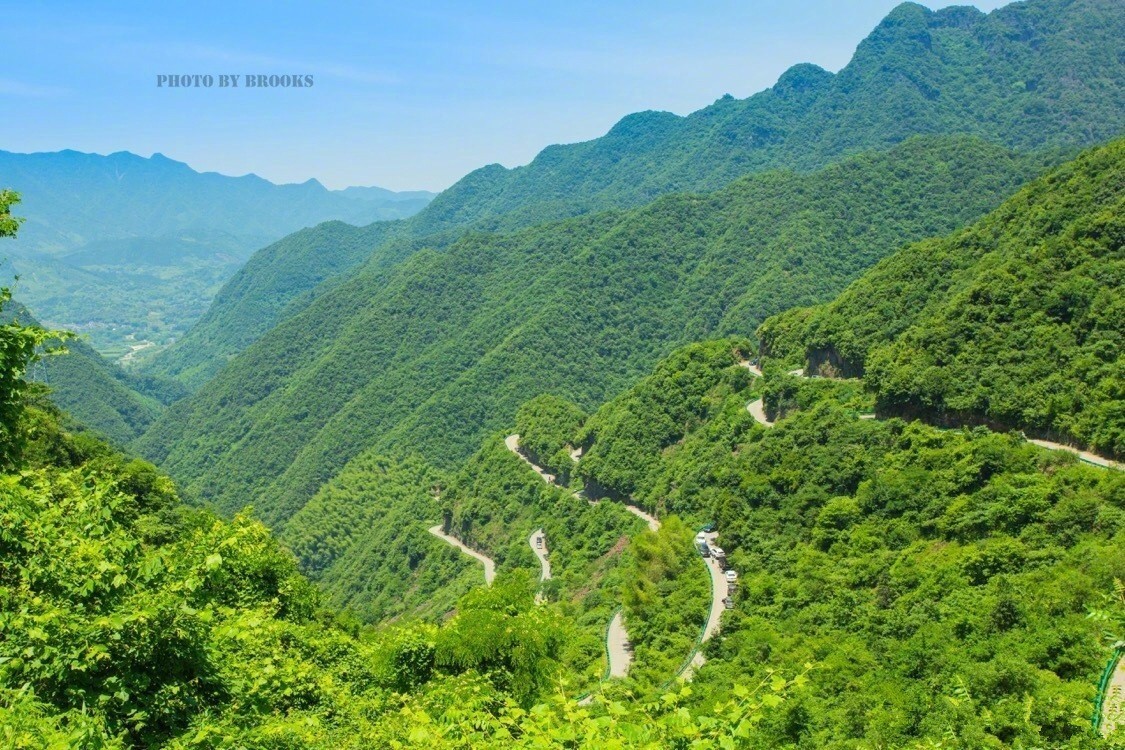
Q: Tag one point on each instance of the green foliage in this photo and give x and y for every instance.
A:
(496, 501)
(97, 394)
(1016, 321)
(20, 346)
(127, 620)
(939, 580)
(547, 426)
(783, 393)
(1016, 76)
(26, 724)
(667, 598)
(1042, 74)
(500, 632)
(276, 282)
(621, 439)
(8, 224)
(440, 352)
(363, 539)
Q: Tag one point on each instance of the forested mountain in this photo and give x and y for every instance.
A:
(1017, 321)
(274, 284)
(1028, 75)
(1036, 74)
(364, 540)
(129, 620)
(941, 583)
(438, 352)
(600, 347)
(132, 249)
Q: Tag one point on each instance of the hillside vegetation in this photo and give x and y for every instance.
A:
(129, 620)
(1027, 75)
(1017, 321)
(940, 581)
(1032, 75)
(440, 351)
(274, 283)
(97, 394)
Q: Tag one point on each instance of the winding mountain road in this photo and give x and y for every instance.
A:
(653, 523)
(719, 592)
(1087, 456)
(757, 409)
(1113, 709)
(513, 444)
(489, 565)
(538, 543)
(618, 648)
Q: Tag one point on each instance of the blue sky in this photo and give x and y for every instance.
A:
(406, 95)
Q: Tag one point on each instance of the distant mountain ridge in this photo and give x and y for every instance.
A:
(71, 198)
(128, 248)
(1019, 76)
(1032, 75)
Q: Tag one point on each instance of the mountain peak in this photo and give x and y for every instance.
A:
(802, 78)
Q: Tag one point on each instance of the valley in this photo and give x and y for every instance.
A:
(134, 265)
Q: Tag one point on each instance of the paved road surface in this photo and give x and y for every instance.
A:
(752, 368)
(618, 646)
(513, 443)
(617, 638)
(540, 551)
(1087, 456)
(757, 410)
(653, 523)
(489, 566)
(1113, 710)
(719, 592)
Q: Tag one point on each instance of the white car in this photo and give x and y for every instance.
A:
(732, 577)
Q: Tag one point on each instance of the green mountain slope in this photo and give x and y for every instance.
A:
(1017, 321)
(1035, 74)
(1029, 75)
(95, 393)
(103, 573)
(130, 249)
(441, 350)
(275, 283)
(940, 581)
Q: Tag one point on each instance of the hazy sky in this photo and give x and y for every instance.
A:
(405, 95)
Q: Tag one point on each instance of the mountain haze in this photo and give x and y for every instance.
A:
(132, 249)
